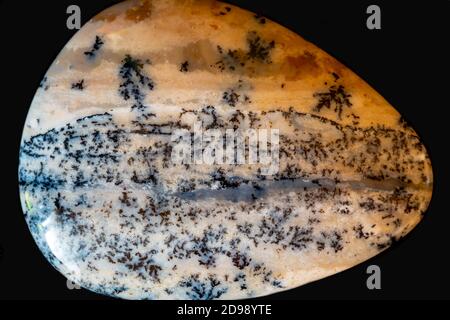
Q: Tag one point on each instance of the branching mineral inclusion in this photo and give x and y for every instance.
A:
(112, 212)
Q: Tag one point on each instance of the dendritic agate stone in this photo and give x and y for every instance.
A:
(112, 211)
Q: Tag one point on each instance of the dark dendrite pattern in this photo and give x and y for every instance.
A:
(336, 97)
(134, 81)
(92, 53)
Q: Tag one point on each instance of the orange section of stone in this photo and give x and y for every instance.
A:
(296, 67)
(140, 12)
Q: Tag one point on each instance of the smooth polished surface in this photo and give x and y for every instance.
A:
(111, 211)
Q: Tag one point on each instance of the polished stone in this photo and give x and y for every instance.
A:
(111, 211)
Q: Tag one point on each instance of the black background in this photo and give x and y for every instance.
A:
(407, 62)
